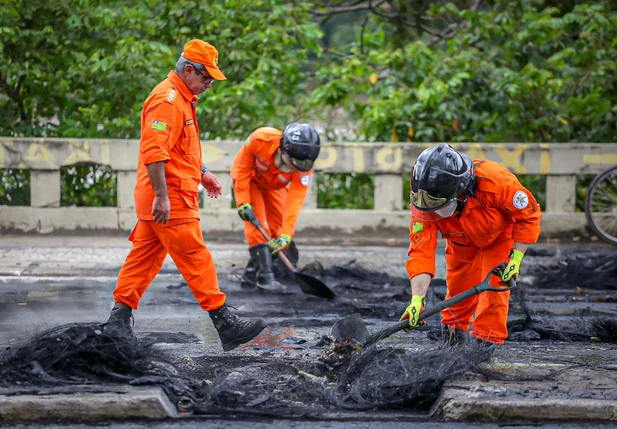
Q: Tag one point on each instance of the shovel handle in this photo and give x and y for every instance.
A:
(263, 232)
(482, 287)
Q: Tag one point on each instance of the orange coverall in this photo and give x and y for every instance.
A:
(169, 133)
(480, 238)
(276, 196)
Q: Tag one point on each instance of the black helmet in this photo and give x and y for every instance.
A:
(441, 180)
(300, 143)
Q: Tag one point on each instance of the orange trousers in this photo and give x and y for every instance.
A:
(268, 206)
(183, 240)
(467, 267)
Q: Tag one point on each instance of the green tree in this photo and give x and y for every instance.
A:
(83, 68)
(510, 71)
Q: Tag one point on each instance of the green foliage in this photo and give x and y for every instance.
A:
(345, 191)
(88, 185)
(77, 68)
(510, 73)
(83, 68)
(15, 187)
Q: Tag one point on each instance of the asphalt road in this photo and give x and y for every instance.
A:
(311, 424)
(46, 286)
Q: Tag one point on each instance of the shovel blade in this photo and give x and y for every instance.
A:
(351, 328)
(313, 286)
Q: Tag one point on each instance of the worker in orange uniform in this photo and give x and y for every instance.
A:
(169, 172)
(486, 217)
(271, 175)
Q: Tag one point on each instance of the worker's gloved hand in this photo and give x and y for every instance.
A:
(413, 312)
(513, 265)
(246, 211)
(279, 243)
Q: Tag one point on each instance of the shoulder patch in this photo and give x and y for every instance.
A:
(159, 125)
(417, 227)
(171, 95)
(520, 200)
(305, 180)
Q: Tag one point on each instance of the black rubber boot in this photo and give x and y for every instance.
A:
(263, 262)
(249, 278)
(120, 322)
(281, 272)
(232, 330)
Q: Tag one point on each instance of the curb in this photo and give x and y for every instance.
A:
(134, 403)
(578, 394)
(470, 409)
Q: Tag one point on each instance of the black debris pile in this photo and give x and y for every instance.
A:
(86, 354)
(395, 378)
(355, 277)
(349, 378)
(585, 269)
(600, 329)
(251, 390)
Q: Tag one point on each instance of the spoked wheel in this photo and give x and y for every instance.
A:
(601, 205)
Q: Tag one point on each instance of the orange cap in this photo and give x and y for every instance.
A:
(204, 53)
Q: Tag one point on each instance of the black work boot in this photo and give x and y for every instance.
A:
(249, 278)
(120, 322)
(263, 262)
(232, 330)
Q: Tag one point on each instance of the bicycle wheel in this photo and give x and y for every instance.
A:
(601, 205)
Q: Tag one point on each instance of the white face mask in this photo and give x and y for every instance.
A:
(447, 210)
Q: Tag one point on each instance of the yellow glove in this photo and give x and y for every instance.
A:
(246, 212)
(279, 243)
(513, 265)
(413, 312)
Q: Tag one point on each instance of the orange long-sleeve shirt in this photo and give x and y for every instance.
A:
(501, 206)
(169, 133)
(254, 162)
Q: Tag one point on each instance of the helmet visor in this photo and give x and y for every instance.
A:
(302, 164)
(299, 164)
(442, 212)
(424, 201)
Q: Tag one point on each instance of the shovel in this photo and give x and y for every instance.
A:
(350, 326)
(308, 284)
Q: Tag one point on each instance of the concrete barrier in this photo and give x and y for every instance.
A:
(560, 163)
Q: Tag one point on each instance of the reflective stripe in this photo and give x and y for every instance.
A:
(283, 179)
(261, 166)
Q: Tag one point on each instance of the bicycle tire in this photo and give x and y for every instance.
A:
(602, 196)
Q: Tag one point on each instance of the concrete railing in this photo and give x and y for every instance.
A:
(388, 161)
